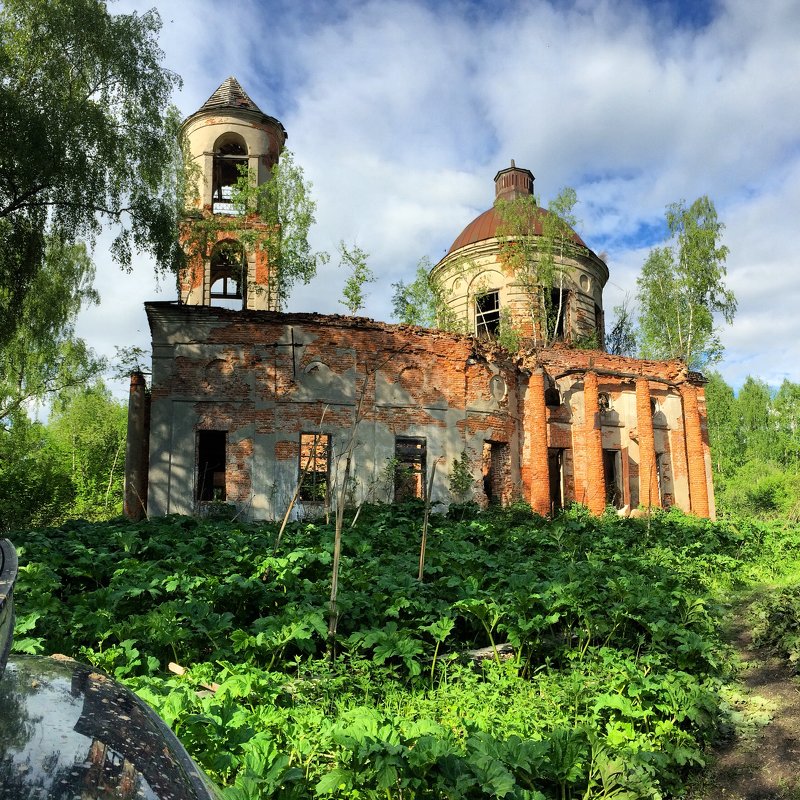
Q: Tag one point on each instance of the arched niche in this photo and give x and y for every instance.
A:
(230, 155)
(227, 272)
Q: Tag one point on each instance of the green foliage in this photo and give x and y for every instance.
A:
(682, 286)
(610, 685)
(761, 489)
(621, 339)
(537, 260)
(355, 260)
(755, 439)
(277, 215)
(752, 419)
(461, 480)
(785, 410)
(87, 139)
(422, 302)
(128, 360)
(509, 337)
(70, 467)
(726, 446)
(89, 428)
(34, 486)
(42, 356)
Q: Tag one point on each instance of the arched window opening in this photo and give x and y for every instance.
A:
(552, 397)
(227, 273)
(230, 154)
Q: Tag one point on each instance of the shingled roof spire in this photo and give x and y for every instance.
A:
(229, 94)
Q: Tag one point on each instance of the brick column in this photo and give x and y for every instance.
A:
(137, 449)
(648, 479)
(702, 410)
(595, 475)
(695, 455)
(536, 430)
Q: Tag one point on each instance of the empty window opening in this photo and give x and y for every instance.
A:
(557, 313)
(664, 479)
(552, 397)
(211, 465)
(604, 401)
(496, 472)
(612, 471)
(227, 272)
(600, 326)
(314, 467)
(410, 454)
(659, 417)
(229, 157)
(555, 467)
(487, 315)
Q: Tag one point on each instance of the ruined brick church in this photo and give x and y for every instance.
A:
(246, 401)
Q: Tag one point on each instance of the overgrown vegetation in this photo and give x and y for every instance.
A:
(755, 447)
(601, 666)
(70, 466)
(272, 218)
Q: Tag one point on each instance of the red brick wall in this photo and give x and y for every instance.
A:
(239, 372)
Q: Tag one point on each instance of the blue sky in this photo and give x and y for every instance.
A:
(402, 112)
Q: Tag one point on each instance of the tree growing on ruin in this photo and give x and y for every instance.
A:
(355, 260)
(621, 338)
(422, 302)
(536, 260)
(682, 288)
(88, 139)
(273, 217)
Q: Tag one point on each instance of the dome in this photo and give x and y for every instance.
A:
(485, 226)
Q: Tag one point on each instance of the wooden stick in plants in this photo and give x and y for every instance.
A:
(423, 544)
(333, 610)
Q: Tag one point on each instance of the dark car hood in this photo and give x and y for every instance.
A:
(67, 730)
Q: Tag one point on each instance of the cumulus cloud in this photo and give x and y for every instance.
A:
(401, 112)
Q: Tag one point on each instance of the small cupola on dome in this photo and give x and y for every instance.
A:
(513, 182)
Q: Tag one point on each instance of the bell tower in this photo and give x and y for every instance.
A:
(227, 137)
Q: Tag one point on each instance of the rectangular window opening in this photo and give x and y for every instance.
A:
(487, 315)
(664, 478)
(496, 468)
(612, 470)
(600, 326)
(211, 458)
(315, 466)
(557, 313)
(410, 455)
(555, 465)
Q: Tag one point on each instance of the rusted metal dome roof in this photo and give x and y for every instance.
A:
(486, 225)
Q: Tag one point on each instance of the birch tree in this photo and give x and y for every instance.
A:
(533, 246)
(682, 288)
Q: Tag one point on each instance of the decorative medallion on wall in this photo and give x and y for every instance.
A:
(497, 388)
